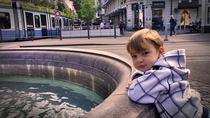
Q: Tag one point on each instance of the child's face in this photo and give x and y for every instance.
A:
(146, 58)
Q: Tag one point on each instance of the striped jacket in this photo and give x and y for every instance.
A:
(168, 88)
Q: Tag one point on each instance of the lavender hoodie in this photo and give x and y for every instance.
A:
(168, 88)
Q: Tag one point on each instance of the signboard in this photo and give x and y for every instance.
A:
(33, 7)
(5, 3)
(64, 14)
(158, 4)
(52, 11)
(57, 13)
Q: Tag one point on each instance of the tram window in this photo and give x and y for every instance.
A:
(43, 19)
(29, 18)
(53, 21)
(64, 24)
(37, 21)
(5, 20)
(60, 23)
(67, 22)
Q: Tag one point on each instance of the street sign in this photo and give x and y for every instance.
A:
(57, 13)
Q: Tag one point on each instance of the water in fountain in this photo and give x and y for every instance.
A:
(38, 97)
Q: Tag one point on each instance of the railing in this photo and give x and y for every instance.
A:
(63, 32)
(26, 33)
(92, 31)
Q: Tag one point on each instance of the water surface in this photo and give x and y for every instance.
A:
(38, 97)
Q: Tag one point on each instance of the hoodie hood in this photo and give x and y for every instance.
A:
(174, 60)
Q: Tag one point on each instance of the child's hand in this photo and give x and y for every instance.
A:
(129, 84)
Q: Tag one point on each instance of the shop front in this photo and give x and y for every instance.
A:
(189, 13)
(158, 10)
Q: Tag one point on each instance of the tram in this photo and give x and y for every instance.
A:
(19, 20)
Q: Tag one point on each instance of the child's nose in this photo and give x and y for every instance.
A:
(140, 59)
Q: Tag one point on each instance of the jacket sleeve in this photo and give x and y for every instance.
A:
(147, 88)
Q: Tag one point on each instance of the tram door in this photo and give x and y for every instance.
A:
(29, 24)
(44, 25)
(58, 25)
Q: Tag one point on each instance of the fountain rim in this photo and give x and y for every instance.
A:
(117, 104)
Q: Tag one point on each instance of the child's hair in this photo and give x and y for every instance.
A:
(144, 36)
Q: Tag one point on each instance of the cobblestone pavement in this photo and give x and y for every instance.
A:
(204, 90)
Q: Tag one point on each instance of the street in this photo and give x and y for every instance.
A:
(197, 48)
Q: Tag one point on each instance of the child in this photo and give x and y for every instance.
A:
(164, 81)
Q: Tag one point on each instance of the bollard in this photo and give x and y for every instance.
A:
(60, 34)
(114, 31)
(88, 26)
(1, 35)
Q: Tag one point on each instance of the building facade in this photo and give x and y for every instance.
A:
(151, 11)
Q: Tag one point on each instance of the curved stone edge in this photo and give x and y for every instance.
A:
(117, 105)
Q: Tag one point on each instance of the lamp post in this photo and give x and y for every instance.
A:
(166, 2)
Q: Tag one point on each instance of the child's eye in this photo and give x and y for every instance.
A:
(145, 53)
(133, 56)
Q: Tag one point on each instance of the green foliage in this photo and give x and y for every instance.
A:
(68, 12)
(23, 0)
(74, 16)
(77, 6)
(42, 3)
(88, 7)
(60, 6)
(122, 2)
(52, 7)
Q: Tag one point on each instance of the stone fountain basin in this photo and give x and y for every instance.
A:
(105, 73)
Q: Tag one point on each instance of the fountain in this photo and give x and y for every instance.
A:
(104, 73)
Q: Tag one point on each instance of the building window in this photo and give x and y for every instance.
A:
(209, 1)
(208, 15)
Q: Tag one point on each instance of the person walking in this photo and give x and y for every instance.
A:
(140, 23)
(172, 24)
(121, 26)
(102, 25)
(161, 24)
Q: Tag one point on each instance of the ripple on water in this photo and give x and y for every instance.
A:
(36, 97)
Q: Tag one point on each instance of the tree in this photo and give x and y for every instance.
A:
(23, 0)
(61, 6)
(74, 16)
(42, 3)
(77, 6)
(88, 8)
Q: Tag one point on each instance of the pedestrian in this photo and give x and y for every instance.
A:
(197, 21)
(102, 25)
(140, 23)
(161, 78)
(111, 24)
(173, 25)
(121, 25)
(124, 26)
(110, 21)
(161, 24)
